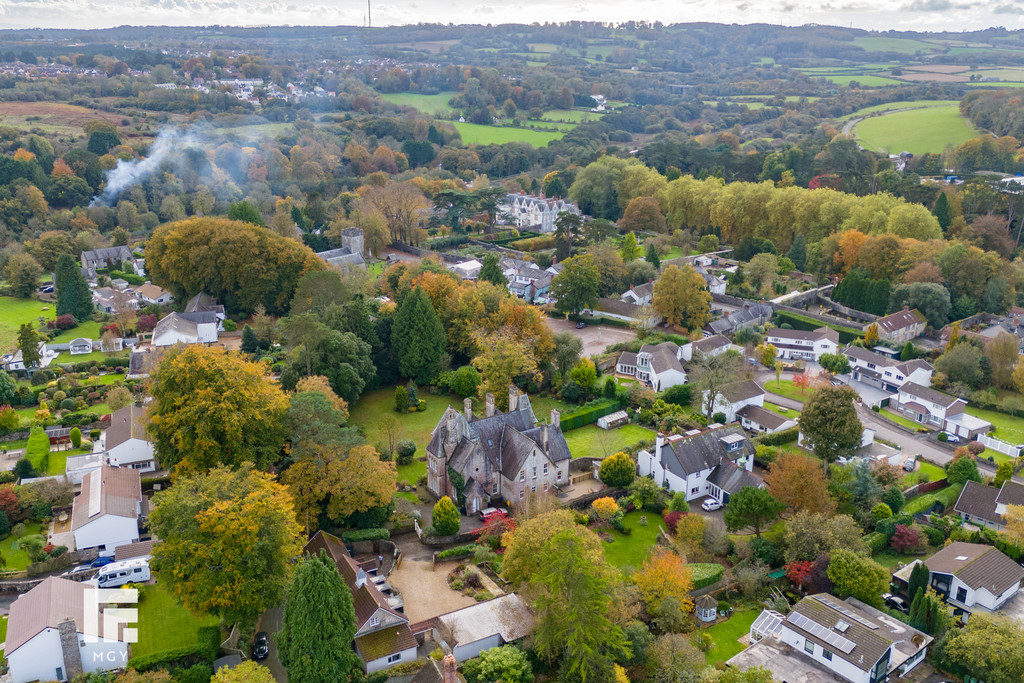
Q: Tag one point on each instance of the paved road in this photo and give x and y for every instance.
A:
(271, 622)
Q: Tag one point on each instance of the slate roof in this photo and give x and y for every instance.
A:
(981, 566)
(45, 606)
(120, 492)
(763, 417)
(641, 291)
(101, 256)
(868, 356)
(900, 320)
(623, 308)
(199, 317)
(1011, 493)
(627, 358)
(731, 478)
(203, 302)
(127, 423)
(978, 500)
(701, 451)
(708, 344)
(175, 322)
(804, 335)
(130, 550)
(928, 394)
(664, 357)
(741, 391)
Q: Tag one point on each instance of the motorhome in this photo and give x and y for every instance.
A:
(119, 573)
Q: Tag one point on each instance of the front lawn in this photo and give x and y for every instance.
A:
(16, 559)
(785, 387)
(163, 623)
(899, 419)
(768, 405)
(593, 441)
(1008, 428)
(65, 358)
(934, 473)
(629, 552)
(726, 635)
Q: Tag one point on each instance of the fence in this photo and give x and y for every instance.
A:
(999, 446)
(925, 487)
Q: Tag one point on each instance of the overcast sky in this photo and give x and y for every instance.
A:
(924, 15)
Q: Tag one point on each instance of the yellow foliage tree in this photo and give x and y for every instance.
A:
(605, 507)
(323, 385)
(871, 335)
(1014, 529)
(663, 575)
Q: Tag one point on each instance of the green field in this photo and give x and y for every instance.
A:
(164, 624)
(476, 134)
(909, 104)
(592, 441)
(16, 312)
(570, 115)
(90, 329)
(866, 80)
(917, 131)
(886, 44)
(898, 419)
(95, 356)
(428, 104)
(786, 388)
(1008, 428)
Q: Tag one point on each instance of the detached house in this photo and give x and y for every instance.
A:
(708, 346)
(151, 294)
(125, 442)
(106, 513)
(802, 345)
(529, 284)
(902, 326)
(883, 372)
(383, 637)
(500, 456)
(716, 462)
(985, 505)
(938, 410)
(657, 365)
(201, 327)
(97, 259)
(824, 639)
(970, 576)
(638, 294)
(732, 398)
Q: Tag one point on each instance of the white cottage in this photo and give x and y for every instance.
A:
(973, 577)
(125, 441)
(732, 398)
(106, 513)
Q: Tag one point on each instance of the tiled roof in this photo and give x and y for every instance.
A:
(731, 478)
(1011, 493)
(928, 394)
(701, 451)
(741, 391)
(45, 606)
(900, 320)
(860, 353)
(869, 644)
(127, 423)
(119, 491)
(978, 566)
(978, 500)
(627, 358)
(708, 344)
(763, 417)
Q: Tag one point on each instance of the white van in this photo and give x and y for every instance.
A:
(119, 573)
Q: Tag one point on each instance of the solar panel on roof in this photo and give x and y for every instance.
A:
(847, 613)
(837, 641)
(95, 488)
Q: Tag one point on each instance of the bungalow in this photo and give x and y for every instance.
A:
(152, 295)
(970, 576)
(186, 328)
(79, 346)
(471, 630)
(106, 513)
(883, 372)
(16, 360)
(901, 326)
(759, 419)
(624, 310)
(125, 441)
(57, 631)
(657, 365)
(716, 462)
(824, 639)
(732, 398)
(638, 294)
(803, 345)
(707, 346)
(985, 506)
(110, 299)
(941, 411)
(383, 637)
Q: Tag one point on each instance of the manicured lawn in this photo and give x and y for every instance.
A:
(628, 552)
(105, 380)
(726, 635)
(768, 405)
(163, 623)
(934, 473)
(476, 134)
(428, 104)
(596, 442)
(16, 312)
(16, 558)
(890, 559)
(1008, 428)
(785, 387)
(899, 419)
(543, 405)
(917, 130)
(946, 496)
(13, 445)
(90, 329)
(410, 474)
(95, 356)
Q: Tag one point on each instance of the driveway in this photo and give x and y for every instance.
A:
(596, 338)
(272, 622)
(424, 588)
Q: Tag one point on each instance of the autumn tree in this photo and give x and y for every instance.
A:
(664, 575)
(229, 541)
(501, 360)
(1013, 531)
(682, 298)
(22, 275)
(797, 481)
(689, 534)
(319, 624)
(576, 287)
(400, 204)
(617, 469)
(829, 423)
(674, 659)
(1002, 356)
(809, 535)
(246, 672)
(214, 408)
(988, 647)
(643, 214)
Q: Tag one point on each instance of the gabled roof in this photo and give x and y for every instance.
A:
(741, 391)
(131, 550)
(978, 500)
(978, 566)
(150, 291)
(928, 394)
(731, 478)
(709, 344)
(804, 335)
(203, 302)
(174, 322)
(860, 353)
(627, 358)
(507, 616)
(702, 451)
(641, 291)
(46, 606)
(127, 423)
(664, 357)
(763, 417)
(1011, 493)
(900, 320)
(118, 491)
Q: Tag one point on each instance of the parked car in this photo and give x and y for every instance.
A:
(101, 562)
(710, 505)
(80, 569)
(951, 438)
(580, 325)
(487, 514)
(908, 466)
(261, 646)
(895, 602)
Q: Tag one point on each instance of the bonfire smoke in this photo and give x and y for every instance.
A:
(169, 145)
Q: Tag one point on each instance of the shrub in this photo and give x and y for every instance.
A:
(881, 511)
(458, 551)
(705, 573)
(76, 437)
(723, 606)
(680, 395)
(457, 585)
(406, 449)
(942, 437)
(472, 580)
(672, 521)
(465, 381)
(617, 470)
(936, 537)
(678, 503)
(778, 438)
(589, 413)
(876, 541)
(719, 418)
(976, 448)
(445, 517)
(365, 535)
(483, 596)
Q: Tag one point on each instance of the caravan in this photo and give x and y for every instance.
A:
(118, 574)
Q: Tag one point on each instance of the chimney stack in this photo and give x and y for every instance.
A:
(659, 441)
(448, 674)
(544, 437)
(489, 405)
(513, 398)
(467, 408)
(67, 633)
(556, 419)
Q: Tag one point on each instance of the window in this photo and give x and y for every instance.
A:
(545, 469)
(808, 646)
(494, 488)
(522, 475)
(534, 471)
(533, 488)
(522, 493)
(545, 486)
(871, 365)
(828, 655)
(395, 658)
(961, 594)
(374, 621)
(695, 490)
(558, 476)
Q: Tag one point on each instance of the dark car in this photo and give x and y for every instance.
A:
(580, 325)
(895, 602)
(101, 562)
(261, 646)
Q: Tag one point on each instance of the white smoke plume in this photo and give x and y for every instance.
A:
(169, 144)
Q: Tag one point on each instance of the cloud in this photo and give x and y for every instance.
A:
(1007, 8)
(933, 6)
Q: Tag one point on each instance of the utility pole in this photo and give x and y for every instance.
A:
(369, 17)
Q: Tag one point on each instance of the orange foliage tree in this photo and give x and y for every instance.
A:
(663, 575)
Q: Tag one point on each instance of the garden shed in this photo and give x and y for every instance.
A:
(613, 420)
(707, 608)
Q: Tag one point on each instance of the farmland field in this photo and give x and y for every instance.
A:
(52, 117)
(570, 115)
(917, 131)
(868, 80)
(909, 104)
(428, 104)
(475, 134)
(885, 44)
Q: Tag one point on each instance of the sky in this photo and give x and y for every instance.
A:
(880, 15)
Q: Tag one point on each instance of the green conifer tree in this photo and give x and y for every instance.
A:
(652, 256)
(73, 295)
(418, 337)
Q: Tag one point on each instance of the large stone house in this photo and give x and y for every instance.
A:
(501, 456)
(535, 213)
(901, 326)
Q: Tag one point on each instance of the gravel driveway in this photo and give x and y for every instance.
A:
(596, 338)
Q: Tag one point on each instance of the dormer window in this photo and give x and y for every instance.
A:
(374, 621)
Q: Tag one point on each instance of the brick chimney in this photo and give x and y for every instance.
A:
(489, 405)
(513, 398)
(556, 419)
(467, 408)
(448, 673)
(544, 437)
(67, 632)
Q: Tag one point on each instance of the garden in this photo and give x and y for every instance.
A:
(164, 624)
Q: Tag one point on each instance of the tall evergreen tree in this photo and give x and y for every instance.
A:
(28, 342)
(249, 342)
(943, 214)
(916, 605)
(319, 624)
(490, 271)
(652, 256)
(73, 295)
(418, 337)
(918, 579)
(798, 252)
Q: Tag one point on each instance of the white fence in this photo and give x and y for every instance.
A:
(999, 446)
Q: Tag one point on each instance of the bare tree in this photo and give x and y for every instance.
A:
(713, 372)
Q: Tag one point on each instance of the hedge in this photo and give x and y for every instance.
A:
(705, 573)
(204, 650)
(876, 541)
(778, 438)
(807, 324)
(442, 243)
(589, 413)
(79, 419)
(459, 551)
(533, 243)
(365, 535)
